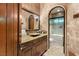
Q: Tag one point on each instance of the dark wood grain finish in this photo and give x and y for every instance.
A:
(34, 48)
(19, 29)
(23, 53)
(15, 33)
(2, 29)
(12, 29)
(8, 29)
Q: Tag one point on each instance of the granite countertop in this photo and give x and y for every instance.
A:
(27, 38)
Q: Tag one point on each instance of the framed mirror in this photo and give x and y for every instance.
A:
(34, 22)
(30, 21)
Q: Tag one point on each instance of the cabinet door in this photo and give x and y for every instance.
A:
(26, 52)
(36, 47)
(12, 29)
(2, 29)
(34, 51)
(43, 44)
(15, 28)
(8, 29)
(40, 46)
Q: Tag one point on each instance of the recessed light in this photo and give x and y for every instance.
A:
(58, 10)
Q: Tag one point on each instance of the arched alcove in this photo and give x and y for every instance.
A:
(56, 26)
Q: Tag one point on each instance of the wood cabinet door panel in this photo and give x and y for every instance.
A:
(15, 28)
(34, 48)
(2, 29)
(12, 29)
(35, 51)
(26, 52)
(9, 29)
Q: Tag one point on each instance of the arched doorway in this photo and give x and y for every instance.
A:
(56, 28)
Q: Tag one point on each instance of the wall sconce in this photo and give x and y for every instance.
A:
(76, 15)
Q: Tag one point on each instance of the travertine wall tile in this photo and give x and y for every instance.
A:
(73, 28)
(44, 12)
(34, 7)
(72, 23)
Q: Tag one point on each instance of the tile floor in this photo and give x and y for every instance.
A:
(56, 47)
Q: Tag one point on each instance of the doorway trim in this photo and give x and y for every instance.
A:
(65, 28)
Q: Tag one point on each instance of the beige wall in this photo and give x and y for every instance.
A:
(73, 28)
(34, 7)
(72, 25)
(44, 11)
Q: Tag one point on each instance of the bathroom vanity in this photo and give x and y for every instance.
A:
(33, 46)
(32, 42)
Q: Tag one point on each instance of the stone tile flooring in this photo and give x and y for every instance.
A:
(54, 51)
(56, 47)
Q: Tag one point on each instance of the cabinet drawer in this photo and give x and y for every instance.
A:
(36, 41)
(27, 44)
(26, 52)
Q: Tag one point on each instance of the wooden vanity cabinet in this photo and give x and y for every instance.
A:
(25, 49)
(40, 46)
(35, 47)
(26, 52)
(43, 44)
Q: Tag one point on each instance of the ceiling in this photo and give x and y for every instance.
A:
(57, 9)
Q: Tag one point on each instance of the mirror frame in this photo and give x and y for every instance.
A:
(32, 13)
